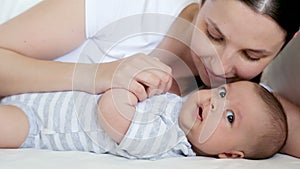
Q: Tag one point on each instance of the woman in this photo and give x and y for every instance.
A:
(217, 40)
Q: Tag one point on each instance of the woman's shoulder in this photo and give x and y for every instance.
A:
(189, 12)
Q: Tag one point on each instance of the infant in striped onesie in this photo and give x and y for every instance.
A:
(228, 121)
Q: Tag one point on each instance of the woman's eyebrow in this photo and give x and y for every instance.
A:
(263, 51)
(215, 26)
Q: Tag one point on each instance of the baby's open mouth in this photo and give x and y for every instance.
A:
(200, 113)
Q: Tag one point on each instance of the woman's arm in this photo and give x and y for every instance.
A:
(115, 111)
(293, 117)
(47, 31)
(52, 29)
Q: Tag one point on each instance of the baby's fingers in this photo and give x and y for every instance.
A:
(138, 90)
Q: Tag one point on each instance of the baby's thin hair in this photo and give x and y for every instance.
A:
(275, 134)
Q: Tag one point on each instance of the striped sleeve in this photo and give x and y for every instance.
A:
(154, 132)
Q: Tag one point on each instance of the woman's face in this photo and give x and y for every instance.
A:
(232, 42)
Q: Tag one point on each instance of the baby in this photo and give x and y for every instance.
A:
(236, 120)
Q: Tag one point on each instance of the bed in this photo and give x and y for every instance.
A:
(29, 158)
(32, 158)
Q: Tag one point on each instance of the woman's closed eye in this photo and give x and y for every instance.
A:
(249, 57)
(213, 35)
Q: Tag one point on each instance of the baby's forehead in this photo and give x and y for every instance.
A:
(243, 84)
(242, 88)
(246, 97)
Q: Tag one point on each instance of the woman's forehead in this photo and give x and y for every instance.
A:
(243, 26)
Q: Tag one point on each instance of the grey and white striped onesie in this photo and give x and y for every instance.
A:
(68, 121)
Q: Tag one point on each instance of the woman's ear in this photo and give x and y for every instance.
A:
(232, 154)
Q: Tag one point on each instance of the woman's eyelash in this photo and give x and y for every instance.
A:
(212, 37)
(248, 57)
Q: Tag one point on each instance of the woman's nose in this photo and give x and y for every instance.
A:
(225, 63)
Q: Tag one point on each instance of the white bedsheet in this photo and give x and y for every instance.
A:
(45, 159)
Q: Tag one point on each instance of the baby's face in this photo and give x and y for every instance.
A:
(220, 120)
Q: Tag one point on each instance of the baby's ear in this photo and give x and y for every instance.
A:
(296, 34)
(232, 154)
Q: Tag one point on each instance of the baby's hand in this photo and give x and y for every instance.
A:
(115, 111)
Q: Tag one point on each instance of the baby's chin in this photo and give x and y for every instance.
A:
(185, 123)
(184, 127)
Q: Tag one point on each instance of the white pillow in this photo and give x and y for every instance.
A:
(283, 74)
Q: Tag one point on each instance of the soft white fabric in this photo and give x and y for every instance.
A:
(11, 8)
(44, 159)
(119, 28)
(100, 14)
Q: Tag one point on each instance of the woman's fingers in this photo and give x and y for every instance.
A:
(161, 65)
(152, 74)
(158, 77)
(155, 81)
(138, 89)
(141, 74)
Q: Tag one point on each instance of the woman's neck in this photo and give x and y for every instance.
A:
(174, 51)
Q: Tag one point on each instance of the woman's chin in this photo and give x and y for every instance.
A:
(205, 80)
(210, 82)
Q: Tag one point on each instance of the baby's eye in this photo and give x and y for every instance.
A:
(230, 116)
(222, 92)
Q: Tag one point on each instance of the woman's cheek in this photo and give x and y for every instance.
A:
(201, 45)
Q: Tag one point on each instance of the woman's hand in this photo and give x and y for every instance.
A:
(140, 74)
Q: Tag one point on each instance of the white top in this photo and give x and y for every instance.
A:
(119, 28)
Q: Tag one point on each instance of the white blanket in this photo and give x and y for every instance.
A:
(45, 159)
